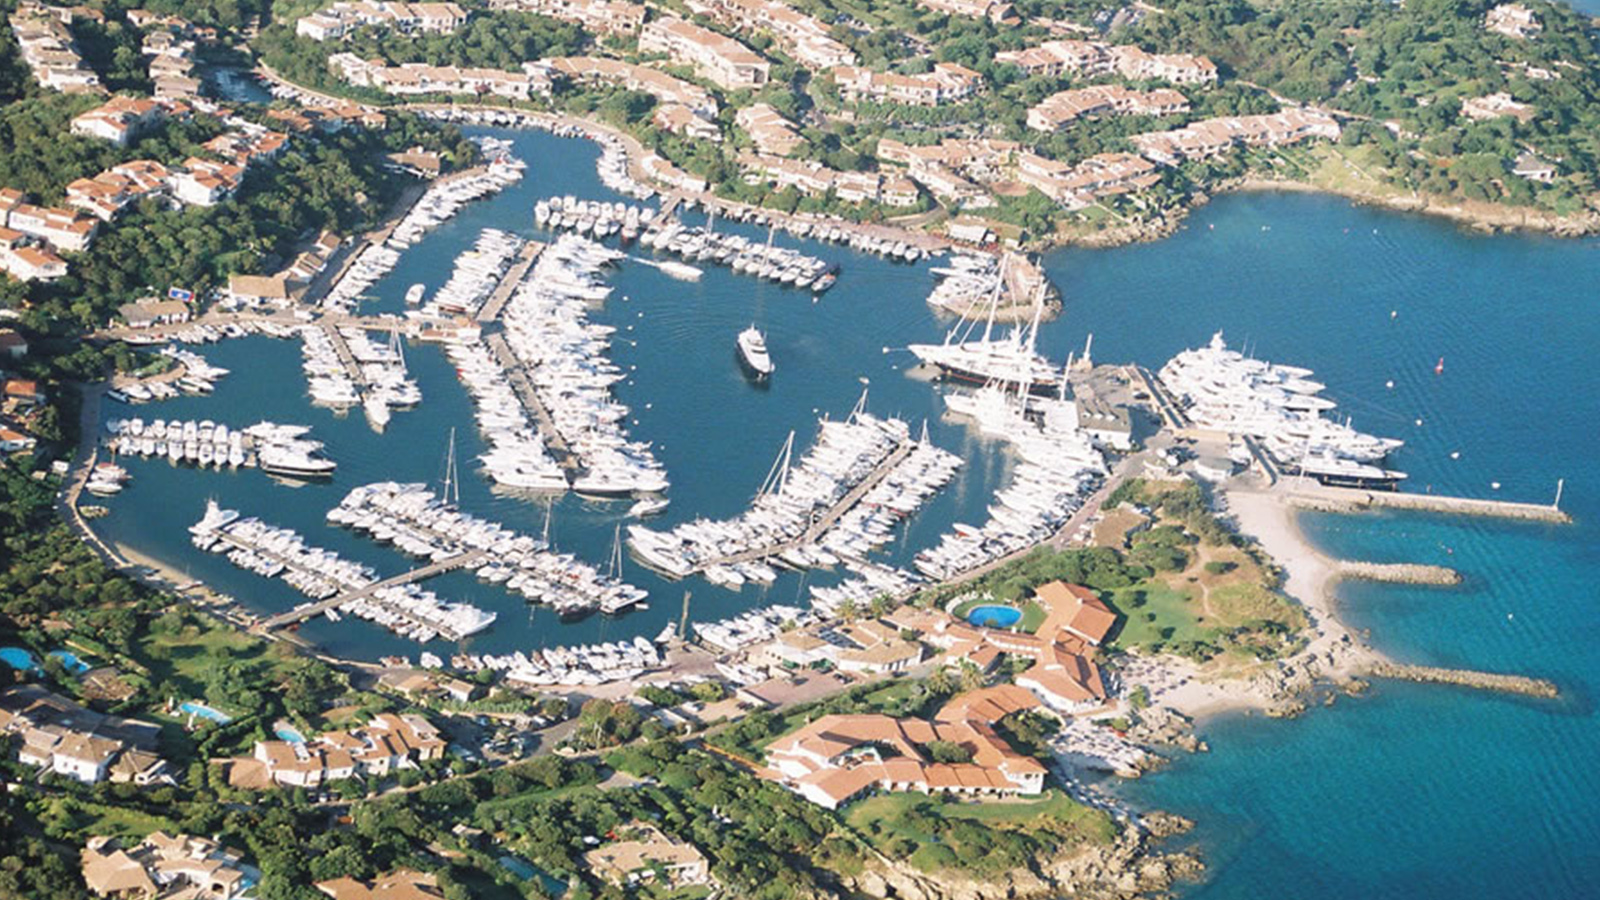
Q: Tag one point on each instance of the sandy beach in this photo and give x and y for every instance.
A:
(1333, 652)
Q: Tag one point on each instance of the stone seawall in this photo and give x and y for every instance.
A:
(1349, 500)
(1485, 681)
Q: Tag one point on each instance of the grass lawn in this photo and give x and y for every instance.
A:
(884, 816)
(186, 657)
(1155, 613)
(90, 818)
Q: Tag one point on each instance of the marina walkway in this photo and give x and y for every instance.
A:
(820, 525)
(1337, 499)
(508, 285)
(311, 610)
(351, 367)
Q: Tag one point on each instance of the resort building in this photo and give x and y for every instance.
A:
(205, 182)
(811, 178)
(25, 260)
(995, 11)
(1513, 20)
(603, 16)
(947, 83)
(799, 35)
(838, 758)
(658, 84)
(63, 737)
(1210, 137)
(342, 19)
(1493, 106)
(719, 59)
(1062, 109)
(389, 742)
(768, 129)
(677, 119)
(418, 79)
(401, 884)
(107, 194)
(1090, 58)
(868, 646)
(644, 852)
(63, 229)
(950, 168)
(165, 867)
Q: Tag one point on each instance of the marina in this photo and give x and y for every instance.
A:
(276, 449)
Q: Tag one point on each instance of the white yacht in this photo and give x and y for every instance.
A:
(753, 352)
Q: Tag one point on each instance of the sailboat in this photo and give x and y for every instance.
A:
(621, 596)
(1010, 359)
(450, 495)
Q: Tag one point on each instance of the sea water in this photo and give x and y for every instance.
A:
(1413, 790)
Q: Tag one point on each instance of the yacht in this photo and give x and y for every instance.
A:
(414, 294)
(753, 352)
(295, 462)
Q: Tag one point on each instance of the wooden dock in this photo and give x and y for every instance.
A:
(369, 592)
(508, 285)
(351, 367)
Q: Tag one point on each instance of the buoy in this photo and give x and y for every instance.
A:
(1495, 485)
(1419, 423)
(1389, 384)
(1455, 454)
(1438, 368)
(1394, 313)
(647, 406)
(886, 349)
(1509, 617)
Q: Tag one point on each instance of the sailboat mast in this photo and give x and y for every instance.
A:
(452, 482)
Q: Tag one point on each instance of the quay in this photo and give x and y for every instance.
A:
(311, 610)
(1322, 498)
(1163, 403)
(526, 257)
(518, 378)
(351, 367)
(822, 523)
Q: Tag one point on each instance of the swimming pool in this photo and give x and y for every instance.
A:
(19, 658)
(71, 661)
(290, 734)
(994, 616)
(205, 712)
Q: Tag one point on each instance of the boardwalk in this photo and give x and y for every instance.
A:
(508, 285)
(369, 592)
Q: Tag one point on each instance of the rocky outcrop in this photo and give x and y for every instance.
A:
(1124, 869)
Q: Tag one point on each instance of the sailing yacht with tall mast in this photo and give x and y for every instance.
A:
(986, 359)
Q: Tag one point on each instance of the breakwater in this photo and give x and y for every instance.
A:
(1484, 681)
(1351, 500)
(1398, 573)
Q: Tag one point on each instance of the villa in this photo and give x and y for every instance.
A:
(721, 60)
(389, 742)
(644, 852)
(165, 867)
(947, 83)
(603, 16)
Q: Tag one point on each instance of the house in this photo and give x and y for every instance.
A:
(899, 192)
(12, 344)
(801, 36)
(947, 83)
(1513, 20)
(642, 853)
(997, 11)
(1491, 106)
(1528, 165)
(13, 441)
(1210, 137)
(60, 736)
(26, 262)
(64, 229)
(343, 19)
(1061, 109)
(387, 743)
(1179, 68)
(658, 84)
(258, 290)
(602, 16)
(205, 182)
(772, 134)
(151, 312)
(676, 118)
(401, 884)
(1106, 425)
(721, 60)
(23, 392)
(165, 867)
(119, 120)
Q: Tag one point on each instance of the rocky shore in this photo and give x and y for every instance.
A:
(1126, 868)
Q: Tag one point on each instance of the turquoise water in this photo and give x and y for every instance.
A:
(994, 616)
(19, 658)
(205, 712)
(285, 733)
(1414, 791)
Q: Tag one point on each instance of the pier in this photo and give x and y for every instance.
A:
(508, 285)
(1354, 500)
(518, 379)
(311, 610)
(351, 367)
(1163, 403)
(1486, 681)
(822, 523)
(1398, 573)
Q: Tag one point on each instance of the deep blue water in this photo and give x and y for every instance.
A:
(1412, 791)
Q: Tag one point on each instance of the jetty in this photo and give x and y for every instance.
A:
(1323, 498)
(310, 610)
(1486, 681)
(822, 523)
(1398, 573)
(517, 377)
(526, 257)
(351, 367)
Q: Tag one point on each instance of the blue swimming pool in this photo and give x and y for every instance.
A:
(206, 712)
(994, 616)
(71, 661)
(19, 658)
(287, 733)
